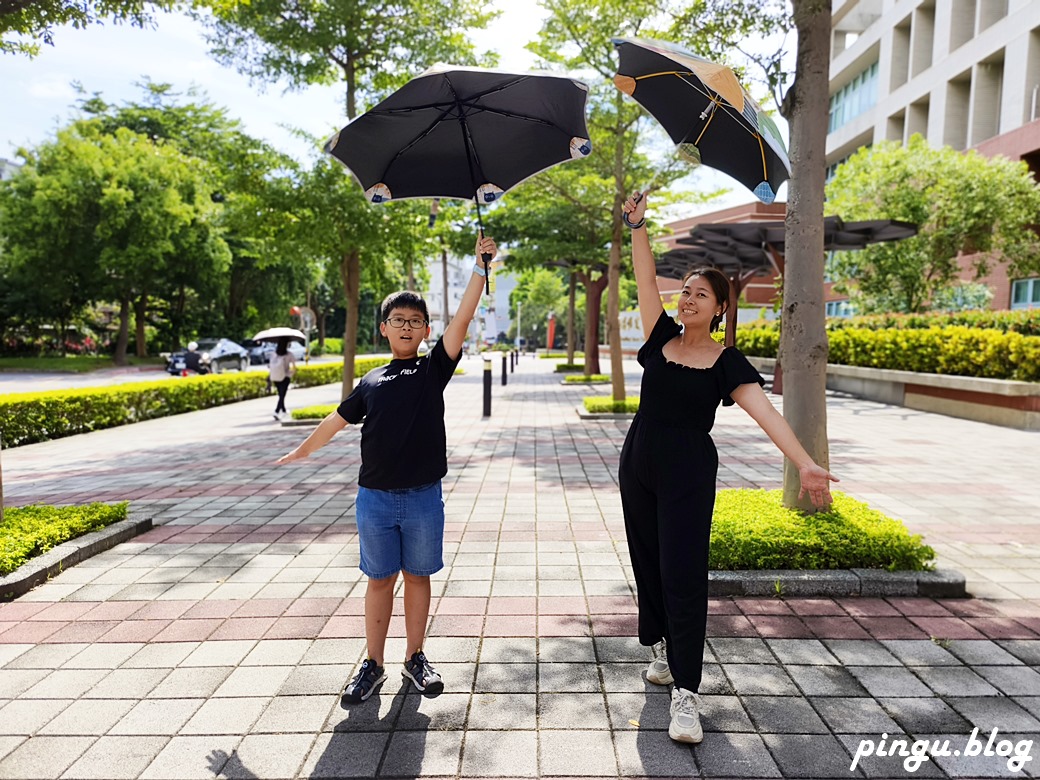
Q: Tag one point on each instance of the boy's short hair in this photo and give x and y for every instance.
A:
(405, 299)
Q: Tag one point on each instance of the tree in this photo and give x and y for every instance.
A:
(369, 46)
(251, 182)
(803, 335)
(577, 36)
(116, 207)
(963, 203)
(23, 23)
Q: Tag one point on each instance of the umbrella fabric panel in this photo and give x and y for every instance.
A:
(416, 144)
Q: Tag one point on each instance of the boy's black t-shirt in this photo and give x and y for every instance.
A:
(402, 404)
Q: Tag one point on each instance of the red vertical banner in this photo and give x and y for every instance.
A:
(550, 331)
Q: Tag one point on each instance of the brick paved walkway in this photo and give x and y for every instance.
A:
(219, 642)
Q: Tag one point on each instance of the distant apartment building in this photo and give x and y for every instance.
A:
(962, 73)
(7, 168)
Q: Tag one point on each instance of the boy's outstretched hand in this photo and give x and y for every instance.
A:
(291, 456)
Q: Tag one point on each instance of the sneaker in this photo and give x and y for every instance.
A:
(686, 720)
(365, 681)
(658, 672)
(423, 676)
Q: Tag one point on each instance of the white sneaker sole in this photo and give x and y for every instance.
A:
(681, 736)
(658, 679)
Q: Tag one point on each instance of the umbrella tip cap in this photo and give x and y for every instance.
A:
(626, 84)
(765, 193)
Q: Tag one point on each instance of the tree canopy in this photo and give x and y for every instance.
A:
(963, 204)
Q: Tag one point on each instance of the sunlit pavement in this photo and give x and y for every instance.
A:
(219, 642)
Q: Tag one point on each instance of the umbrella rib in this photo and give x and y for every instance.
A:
(414, 141)
(707, 93)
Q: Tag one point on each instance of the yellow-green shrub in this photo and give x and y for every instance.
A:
(32, 530)
(596, 404)
(752, 529)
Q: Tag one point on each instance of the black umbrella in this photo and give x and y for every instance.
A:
(702, 106)
(466, 133)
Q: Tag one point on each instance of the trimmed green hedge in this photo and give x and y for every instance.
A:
(955, 349)
(26, 418)
(596, 404)
(1025, 322)
(568, 368)
(751, 529)
(581, 379)
(32, 530)
(318, 412)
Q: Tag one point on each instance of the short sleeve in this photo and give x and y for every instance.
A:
(442, 364)
(665, 329)
(353, 408)
(736, 370)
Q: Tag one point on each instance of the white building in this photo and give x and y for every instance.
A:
(962, 73)
(493, 314)
(8, 168)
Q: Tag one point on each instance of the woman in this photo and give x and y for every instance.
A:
(669, 466)
(281, 369)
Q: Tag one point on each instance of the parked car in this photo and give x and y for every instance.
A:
(209, 355)
(260, 351)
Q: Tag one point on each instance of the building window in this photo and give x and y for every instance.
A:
(1025, 294)
(840, 309)
(856, 97)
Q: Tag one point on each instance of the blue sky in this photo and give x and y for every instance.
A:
(36, 95)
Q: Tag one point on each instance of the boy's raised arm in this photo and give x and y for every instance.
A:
(455, 333)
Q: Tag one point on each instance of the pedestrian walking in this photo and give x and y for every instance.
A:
(400, 509)
(669, 466)
(281, 369)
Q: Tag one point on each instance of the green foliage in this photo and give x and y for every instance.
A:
(29, 531)
(566, 368)
(319, 412)
(558, 355)
(23, 25)
(585, 380)
(330, 373)
(962, 203)
(752, 529)
(961, 350)
(1026, 322)
(598, 404)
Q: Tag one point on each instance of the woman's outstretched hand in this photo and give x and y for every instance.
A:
(635, 210)
(815, 481)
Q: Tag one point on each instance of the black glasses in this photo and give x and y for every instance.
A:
(398, 322)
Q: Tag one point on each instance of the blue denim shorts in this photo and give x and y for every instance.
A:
(401, 530)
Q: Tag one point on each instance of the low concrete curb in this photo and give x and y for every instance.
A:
(580, 409)
(874, 583)
(290, 423)
(43, 567)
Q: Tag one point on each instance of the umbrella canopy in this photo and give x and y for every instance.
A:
(466, 133)
(709, 116)
(275, 334)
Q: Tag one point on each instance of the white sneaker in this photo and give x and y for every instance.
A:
(686, 720)
(658, 672)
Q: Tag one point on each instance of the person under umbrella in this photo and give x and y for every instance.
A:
(281, 369)
(669, 465)
(400, 509)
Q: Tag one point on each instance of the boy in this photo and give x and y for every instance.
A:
(400, 512)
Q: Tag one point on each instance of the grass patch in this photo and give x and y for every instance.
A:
(318, 412)
(567, 368)
(73, 364)
(584, 380)
(596, 404)
(32, 530)
(751, 529)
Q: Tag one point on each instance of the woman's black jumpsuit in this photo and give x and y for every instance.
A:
(667, 478)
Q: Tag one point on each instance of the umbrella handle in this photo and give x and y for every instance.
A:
(624, 214)
(486, 258)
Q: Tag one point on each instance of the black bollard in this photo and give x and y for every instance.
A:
(503, 370)
(512, 360)
(487, 387)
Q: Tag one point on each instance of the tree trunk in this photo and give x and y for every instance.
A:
(350, 273)
(124, 332)
(573, 285)
(140, 315)
(593, 304)
(803, 338)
